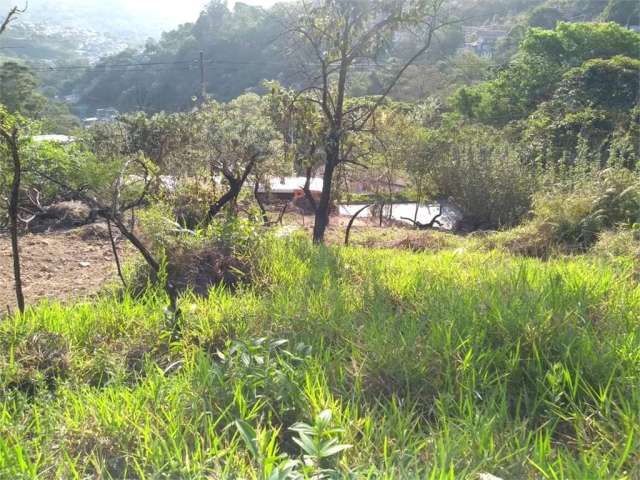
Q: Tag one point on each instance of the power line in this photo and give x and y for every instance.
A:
(193, 64)
(110, 66)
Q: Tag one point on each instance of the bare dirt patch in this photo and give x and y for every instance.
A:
(60, 265)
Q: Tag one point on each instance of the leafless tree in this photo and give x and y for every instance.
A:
(341, 36)
(10, 135)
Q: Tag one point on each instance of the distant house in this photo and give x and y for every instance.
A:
(482, 40)
(89, 121)
(107, 114)
(62, 139)
(102, 115)
(290, 188)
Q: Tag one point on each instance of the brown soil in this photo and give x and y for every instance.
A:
(58, 265)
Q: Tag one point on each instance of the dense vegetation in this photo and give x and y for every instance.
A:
(235, 347)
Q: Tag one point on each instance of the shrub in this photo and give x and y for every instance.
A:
(623, 242)
(189, 200)
(530, 240)
(582, 207)
(476, 170)
(198, 259)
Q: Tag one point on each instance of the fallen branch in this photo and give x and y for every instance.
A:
(423, 226)
(353, 219)
(426, 226)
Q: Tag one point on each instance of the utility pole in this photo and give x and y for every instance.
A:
(203, 87)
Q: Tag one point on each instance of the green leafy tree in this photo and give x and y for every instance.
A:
(240, 140)
(300, 125)
(476, 168)
(18, 90)
(589, 117)
(333, 37)
(610, 84)
(544, 57)
(166, 139)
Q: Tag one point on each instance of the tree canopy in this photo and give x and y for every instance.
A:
(545, 56)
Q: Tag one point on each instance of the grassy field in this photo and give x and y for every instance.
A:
(337, 363)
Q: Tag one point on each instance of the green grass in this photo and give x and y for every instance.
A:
(434, 366)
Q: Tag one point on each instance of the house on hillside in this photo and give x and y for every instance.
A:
(482, 40)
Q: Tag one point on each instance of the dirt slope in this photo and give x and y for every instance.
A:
(60, 265)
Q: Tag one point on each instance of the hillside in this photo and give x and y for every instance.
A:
(241, 49)
(71, 33)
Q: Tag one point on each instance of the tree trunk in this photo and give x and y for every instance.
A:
(169, 288)
(307, 190)
(263, 211)
(12, 141)
(283, 211)
(235, 186)
(135, 241)
(232, 193)
(324, 205)
(116, 257)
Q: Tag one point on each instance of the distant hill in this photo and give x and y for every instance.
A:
(58, 33)
(239, 48)
(128, 21)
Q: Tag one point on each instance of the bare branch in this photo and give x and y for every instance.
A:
(13, 13)
(353, 219)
